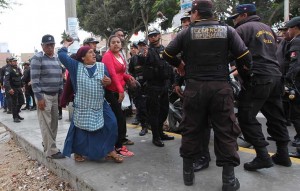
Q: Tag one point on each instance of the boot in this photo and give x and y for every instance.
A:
(281, 157)
(144, 131)
(19, 117)
(188, 172)
(262, 160)
(230, 182)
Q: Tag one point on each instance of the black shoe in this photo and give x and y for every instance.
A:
(143, 132)
(5, 110)
(158, 142)
(25, 108)
(258, 163)
(59, 117)
(166, 137)
(295, 154)
(201, 164)
(57, 155)
(17, 120)
(135, 121)
(188, 172)
(296, 142)
(9, 112)
(282, 160)
(21, 118)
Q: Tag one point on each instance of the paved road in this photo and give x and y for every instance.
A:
(151, 169)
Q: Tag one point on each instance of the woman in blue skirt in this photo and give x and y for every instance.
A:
(93, 129)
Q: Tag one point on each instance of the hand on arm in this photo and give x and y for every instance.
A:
(106, 81)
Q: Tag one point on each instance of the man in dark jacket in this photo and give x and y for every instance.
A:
(29, 95)
(293, 77)
(263, 93)
(208, 95)
(13, 84)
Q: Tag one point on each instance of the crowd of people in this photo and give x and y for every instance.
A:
(200, 57)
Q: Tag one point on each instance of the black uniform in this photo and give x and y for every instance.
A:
(7, 103)
(264, 93)
(208, 95)
(293, 80)
(29, 95)
(156, 72)
(13, 80)
(139, 95)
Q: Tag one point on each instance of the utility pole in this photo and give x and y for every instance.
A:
(72, 24)
(70, 9)
(286, 10)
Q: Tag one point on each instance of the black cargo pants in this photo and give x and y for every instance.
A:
(204, 100)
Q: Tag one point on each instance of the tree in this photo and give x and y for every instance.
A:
(102, 16)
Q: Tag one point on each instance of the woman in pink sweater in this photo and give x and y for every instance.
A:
(114, 93)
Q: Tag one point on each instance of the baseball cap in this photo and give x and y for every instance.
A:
(201, 6)
(142, 42)
(153, 31)
(48, 39)
(13, 59)
(243, 8)
(134, 44)
(293, 22)
(90, 40)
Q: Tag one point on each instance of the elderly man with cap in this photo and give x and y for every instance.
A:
(293, 77)
(185, 20)
(263, 92)
(29, 95)
(208, 95)
(47, 82)
(13, 84)
(92, 42)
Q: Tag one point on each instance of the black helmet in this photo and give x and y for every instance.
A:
(90, 40)
(153, 31)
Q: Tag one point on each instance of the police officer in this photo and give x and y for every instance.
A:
(92, 42)
(293, 77)
(208, 95)
(13, 84)
(263, 93)
(7, 98)
(156, 72)
(29, 95)
(283, 60)
(185, 20)
(139, 95)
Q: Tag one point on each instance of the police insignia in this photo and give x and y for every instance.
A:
(293, 54)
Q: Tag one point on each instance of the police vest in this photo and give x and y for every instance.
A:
(206, 53)
(158, 69)
(15, 77)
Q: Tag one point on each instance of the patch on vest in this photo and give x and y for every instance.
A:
(208, 32)
(293, 54)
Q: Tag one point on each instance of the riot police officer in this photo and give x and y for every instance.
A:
(293, 78)
(156, 72)
(263, 93)
(206, 44)
(7, 98)
(139, 94)
(13, 84)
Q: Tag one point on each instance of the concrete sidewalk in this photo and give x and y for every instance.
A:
(151, 169)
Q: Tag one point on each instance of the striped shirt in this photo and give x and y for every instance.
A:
(46, 75)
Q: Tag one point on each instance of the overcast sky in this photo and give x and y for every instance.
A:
(23, 26)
